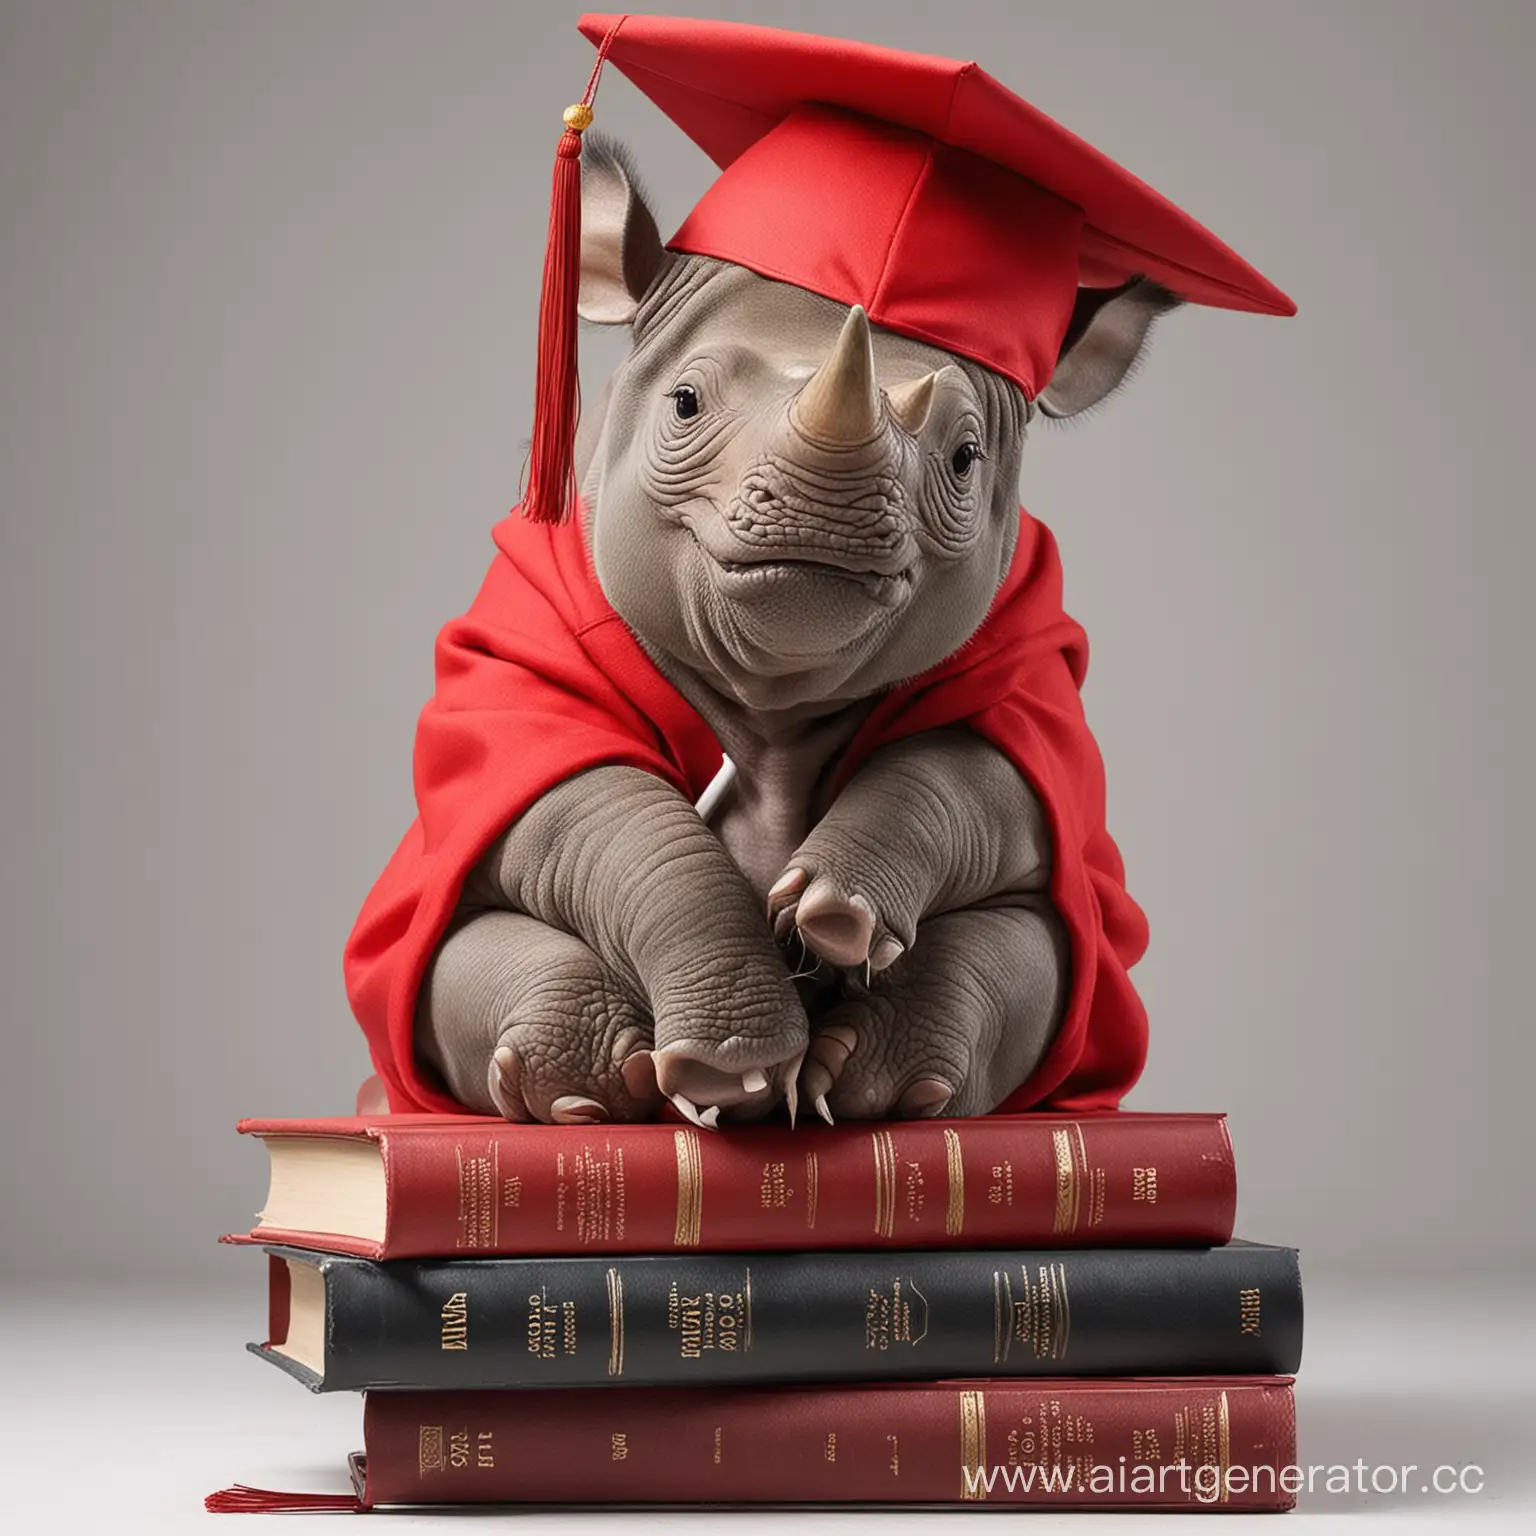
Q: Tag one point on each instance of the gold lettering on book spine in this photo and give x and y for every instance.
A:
(884, 1147)
(812, 1187)
(1094, 1178)
(615, 1323)
(1249, 1314)
(429, 1449)
(1071, 1169)
(1224, 1446)
(1041, 1316)
(454, 1333)
(973, 1445)
(690, 1189)
(1062, 1305)
(954, 1211)
(1066, 1184)
(478, 1216)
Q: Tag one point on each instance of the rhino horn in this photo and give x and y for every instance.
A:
(840, 403)
(910, 403)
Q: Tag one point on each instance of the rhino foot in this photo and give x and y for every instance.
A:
(526, 1022)
(840, 925)
(952, 1027)
(689, 1074)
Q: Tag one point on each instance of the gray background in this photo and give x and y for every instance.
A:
(268, 279)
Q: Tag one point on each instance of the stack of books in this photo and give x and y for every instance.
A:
(1032, 1309)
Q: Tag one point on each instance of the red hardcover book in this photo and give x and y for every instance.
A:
(430, 1186)
(1200, 1443)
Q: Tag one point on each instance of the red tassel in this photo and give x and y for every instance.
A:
(241, 1500)
(549, 490)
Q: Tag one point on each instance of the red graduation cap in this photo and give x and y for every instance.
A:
(919, 187)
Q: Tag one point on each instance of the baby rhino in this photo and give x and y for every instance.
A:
(793, 512)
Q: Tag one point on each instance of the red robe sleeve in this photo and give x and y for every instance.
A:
(537, 682)
(541, 679)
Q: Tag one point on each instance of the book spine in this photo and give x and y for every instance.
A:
(698, 1318)
(1196, 1444)
(1096, 1180)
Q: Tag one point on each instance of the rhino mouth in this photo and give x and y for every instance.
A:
(740, 570)
(743, 577)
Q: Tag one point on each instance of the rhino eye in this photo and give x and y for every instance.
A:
(685, 402)
(964, 456)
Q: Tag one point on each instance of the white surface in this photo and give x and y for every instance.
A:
(121, 1411)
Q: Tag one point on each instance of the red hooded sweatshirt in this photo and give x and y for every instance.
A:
(541, 679)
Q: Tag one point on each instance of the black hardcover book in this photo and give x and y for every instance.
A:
(345, 1324)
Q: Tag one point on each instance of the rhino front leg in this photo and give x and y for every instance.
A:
(932, 823)
(938, 823)
(619, 860)
(951, 1028)
(524, 1021)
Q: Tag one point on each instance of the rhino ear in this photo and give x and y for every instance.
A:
(1107, 334)
(621, 252)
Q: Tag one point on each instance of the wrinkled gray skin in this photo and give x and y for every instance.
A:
(804, 530)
